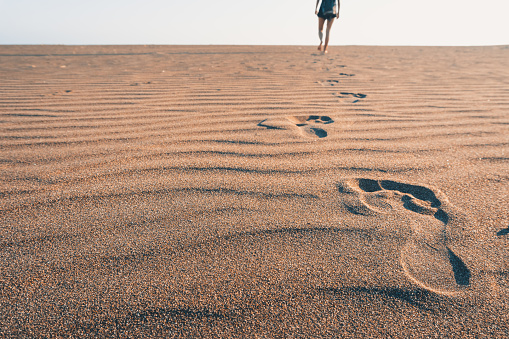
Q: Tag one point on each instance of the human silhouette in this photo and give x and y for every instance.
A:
(328, 11)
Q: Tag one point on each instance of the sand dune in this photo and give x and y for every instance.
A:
(240, 191)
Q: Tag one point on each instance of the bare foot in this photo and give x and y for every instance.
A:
(320, 47)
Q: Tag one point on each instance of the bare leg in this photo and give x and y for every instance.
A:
(327, 34)
(321, 22)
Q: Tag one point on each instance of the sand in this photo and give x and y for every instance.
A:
(254, 191)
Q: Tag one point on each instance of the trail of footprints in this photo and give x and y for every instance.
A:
(426, 258)
(311, 126)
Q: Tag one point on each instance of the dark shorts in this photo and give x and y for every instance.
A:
(327, 16)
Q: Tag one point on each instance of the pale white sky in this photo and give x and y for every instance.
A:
(247, 22)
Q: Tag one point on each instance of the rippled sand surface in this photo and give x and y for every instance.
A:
(254, 191)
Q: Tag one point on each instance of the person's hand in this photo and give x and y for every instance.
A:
(337, 16)
(316, 12)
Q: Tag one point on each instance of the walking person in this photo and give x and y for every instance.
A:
(328, 11)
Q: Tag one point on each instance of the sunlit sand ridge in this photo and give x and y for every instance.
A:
(254, 191)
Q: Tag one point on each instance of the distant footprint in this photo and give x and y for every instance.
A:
(350, 97)
(329, 82)
(426, 258)
(310, 126)
(138, 84)
(65, 92)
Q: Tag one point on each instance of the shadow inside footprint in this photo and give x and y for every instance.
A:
(369, 185)
(418, 192)
(319, 132)
(442, 216)
(503, 232)
(461, 272)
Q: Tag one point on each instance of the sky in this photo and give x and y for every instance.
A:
(254, 22)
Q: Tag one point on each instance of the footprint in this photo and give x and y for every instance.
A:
(145, 83)
(307, 125)
(426, 258)
(350, 97)
(328, 82)
(347, 75)
(64, 92)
